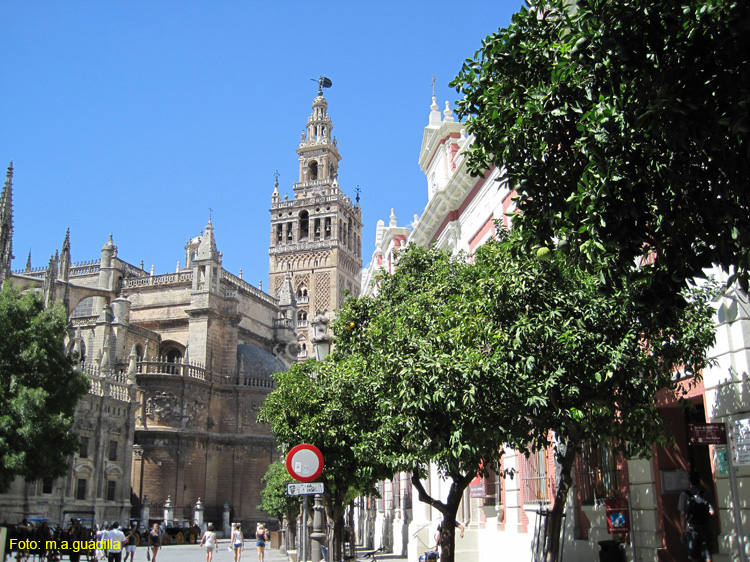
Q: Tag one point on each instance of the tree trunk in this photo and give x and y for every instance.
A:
(448, 510)
(334, 507)
(554, 519)
(352, 537)
(291, 531)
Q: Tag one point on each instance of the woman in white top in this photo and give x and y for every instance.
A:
(238, 542)
(209, 540)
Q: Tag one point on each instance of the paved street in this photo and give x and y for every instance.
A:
(195, 553)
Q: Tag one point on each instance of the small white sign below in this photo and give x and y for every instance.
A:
(739, 441)
(305, 488)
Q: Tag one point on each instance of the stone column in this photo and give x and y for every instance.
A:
(145, 513)
(284, 528)
(225, 525)
(198, 514)
(168, 511)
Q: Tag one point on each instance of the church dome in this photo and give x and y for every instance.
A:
(256, 362)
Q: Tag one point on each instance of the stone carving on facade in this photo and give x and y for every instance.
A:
(249, 412)
(323, 290)
(196, 408)
(163, 407)
(277, 288)
(85, 424)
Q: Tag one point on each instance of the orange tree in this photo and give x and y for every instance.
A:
(326, 404)
(624, 127)
(587, 361)
(464, 359)
(428, 364)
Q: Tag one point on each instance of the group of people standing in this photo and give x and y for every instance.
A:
(236, 543)
(119, 542)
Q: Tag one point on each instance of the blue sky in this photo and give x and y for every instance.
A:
(137, 117)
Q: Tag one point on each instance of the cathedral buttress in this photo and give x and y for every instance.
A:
(6, 226)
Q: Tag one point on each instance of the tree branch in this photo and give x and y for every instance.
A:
(424, 497)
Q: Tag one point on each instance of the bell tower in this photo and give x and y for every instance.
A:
(316, 237)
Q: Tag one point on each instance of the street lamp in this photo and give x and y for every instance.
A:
(321, 340)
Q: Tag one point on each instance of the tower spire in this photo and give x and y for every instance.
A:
(6, 225)
(318, 152)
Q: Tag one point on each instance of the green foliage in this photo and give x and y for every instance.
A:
(463, 359)
(327, 405)
(585, 361)
(624, 127)
(427, 353)
(274, 500)
(38, 389)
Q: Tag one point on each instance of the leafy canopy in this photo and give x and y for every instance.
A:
(586, 363)
(39, 389)
(464, 359)
(429, 357)
(274, 500)
(624, 127)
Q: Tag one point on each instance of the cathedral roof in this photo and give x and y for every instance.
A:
(256, 362)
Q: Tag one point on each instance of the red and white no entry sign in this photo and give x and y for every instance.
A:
(304, 462)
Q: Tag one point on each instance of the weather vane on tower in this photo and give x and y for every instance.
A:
(323, 82)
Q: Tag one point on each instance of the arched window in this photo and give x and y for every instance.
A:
(301, 293)
(84, 308)
(312, 171)
(172, 352)
(302, 318)
(304, 225)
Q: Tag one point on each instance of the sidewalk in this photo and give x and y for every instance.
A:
(195, 553)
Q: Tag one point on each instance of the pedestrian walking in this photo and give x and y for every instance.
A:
(261, 536)
(117, 538)
(209, 541)
(695, 511)
(238, 542)
(130, 543)
(154, 542)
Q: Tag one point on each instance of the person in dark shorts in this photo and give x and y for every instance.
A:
(261, 536)
(695, 511)
(154, 541)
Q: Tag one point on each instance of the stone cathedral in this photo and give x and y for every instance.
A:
(316, 237)
(180, 363)
(179, 366)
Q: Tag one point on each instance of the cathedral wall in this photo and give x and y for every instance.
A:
(257, 317)
(160, 303)
(221, 346)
